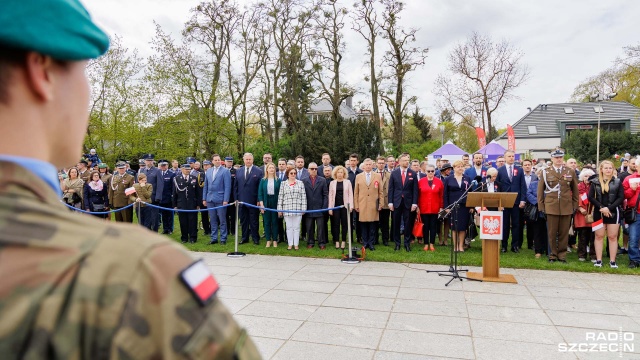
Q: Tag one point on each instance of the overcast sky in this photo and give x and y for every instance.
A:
(563, 41)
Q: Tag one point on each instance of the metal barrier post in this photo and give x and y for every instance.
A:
(236, 253)
(350, 259)
(139, 212)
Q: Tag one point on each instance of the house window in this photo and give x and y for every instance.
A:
(533, 130)
(568, 110)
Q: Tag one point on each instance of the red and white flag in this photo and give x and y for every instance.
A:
(597, 225)
(129, 191)
(200, 281)
(511, 138)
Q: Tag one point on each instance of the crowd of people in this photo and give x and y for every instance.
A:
(556, 203)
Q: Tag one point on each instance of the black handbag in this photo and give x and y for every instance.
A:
(630, 214)
(531, 212)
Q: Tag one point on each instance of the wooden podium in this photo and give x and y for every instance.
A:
(491, 248)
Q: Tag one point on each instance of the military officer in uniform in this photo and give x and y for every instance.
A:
(187, 195)
(558, 198)
(231, 210)
(105, 176)
(83, 172)
(166, 196)
(88, 288)
(120, 181)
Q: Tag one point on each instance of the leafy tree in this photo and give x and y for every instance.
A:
(423, 123)
(582, 144)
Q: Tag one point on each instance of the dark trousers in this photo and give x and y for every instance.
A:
(429, 228)
(281, 232)
(355, 223)
(558, 230)
(145, 216)
(325, 218)
(167, 218)
(368, 231)
(125, 215)
(339, 224)
(249, 221)
(206, 222)
(383, 226)
(270, 221)
(586, 238)
(528, 224)
(152, 217)
(540, 236)
(511, 222)
(231, 219)
(188, 226)
(310, 225)
(400, 214)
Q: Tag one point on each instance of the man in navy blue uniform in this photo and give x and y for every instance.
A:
(187, 195)
(511, 179)
(166, 200)
(246, 190)
(154, 178)
(403, 199)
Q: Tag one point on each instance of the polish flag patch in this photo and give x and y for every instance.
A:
(597, 225)
(200, 282)
(129, 191)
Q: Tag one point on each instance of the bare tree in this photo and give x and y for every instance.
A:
(365, 22)
(326, 54)
(482, 76)
(402, 57)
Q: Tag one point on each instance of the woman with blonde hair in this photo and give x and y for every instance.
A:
(72, 188)
(606, 195)
(580, 223)
(455, 185)
(268, 191)
(340, 193)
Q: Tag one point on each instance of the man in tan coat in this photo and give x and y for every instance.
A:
(558, 198)
(368, 201)
(385, 213)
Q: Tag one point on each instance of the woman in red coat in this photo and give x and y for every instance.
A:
(430, 203)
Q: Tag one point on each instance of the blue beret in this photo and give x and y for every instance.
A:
(61, 29)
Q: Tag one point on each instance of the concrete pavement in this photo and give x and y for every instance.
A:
(305, 308)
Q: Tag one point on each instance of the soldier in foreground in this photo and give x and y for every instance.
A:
(72, 286)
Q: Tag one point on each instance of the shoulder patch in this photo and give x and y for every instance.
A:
(200, 282)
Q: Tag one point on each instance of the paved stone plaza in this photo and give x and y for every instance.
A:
(304, 308)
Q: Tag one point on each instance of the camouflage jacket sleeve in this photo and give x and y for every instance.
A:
(161, 318)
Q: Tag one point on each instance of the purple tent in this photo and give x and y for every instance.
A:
(492, 150)
(447, 151)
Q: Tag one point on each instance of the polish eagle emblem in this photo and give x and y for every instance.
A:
(491, 225)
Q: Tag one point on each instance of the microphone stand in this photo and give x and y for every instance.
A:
(453, 271)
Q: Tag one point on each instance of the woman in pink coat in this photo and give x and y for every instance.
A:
(340, 193)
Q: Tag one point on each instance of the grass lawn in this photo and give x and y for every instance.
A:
(472, 257)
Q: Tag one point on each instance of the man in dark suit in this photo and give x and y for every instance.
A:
(231, 210)
(186, 196)
(155, 179)
(403, 199)
(326, 162)
(352, 171)
(317, 192)
(476, 169)
(281, 174)
(302, 173)
(511, 179)
(246, 189)
(166, 196)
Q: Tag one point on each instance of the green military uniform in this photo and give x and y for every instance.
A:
(72, 286)
(118, 198)
(558, 198)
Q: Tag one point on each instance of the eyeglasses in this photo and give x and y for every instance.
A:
(313, 168)
(431, 171)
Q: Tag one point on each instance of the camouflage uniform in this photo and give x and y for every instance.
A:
(72, 286)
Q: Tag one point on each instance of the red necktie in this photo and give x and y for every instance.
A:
(404, 175)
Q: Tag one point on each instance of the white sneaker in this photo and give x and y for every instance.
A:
(613, 264)
(581, 259)
(593, 261)
(598, 263)
(569, 250)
